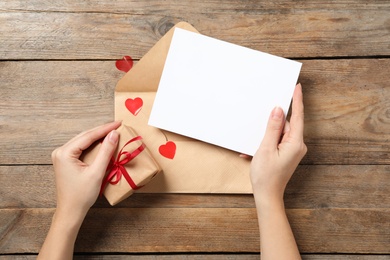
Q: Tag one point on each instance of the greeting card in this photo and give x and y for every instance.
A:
(219, 92)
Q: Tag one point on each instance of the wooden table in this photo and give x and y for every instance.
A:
(57, 79)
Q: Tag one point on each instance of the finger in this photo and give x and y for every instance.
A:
(297, 114)
(286, 131)
(81, 142)
(274, 129)
(89, 130)
(286, 128)
(245, 156)
(106, 151)
(81, 134)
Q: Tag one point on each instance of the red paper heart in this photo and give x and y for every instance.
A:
(134, 105)
(168, 150)
(124, 64)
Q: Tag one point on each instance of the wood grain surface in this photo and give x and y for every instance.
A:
(346, 108)
(72, 30)
(311, 187)
(57, 78)
(200, 230)
(204, 256)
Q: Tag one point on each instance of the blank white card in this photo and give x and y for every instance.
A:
(221, 93)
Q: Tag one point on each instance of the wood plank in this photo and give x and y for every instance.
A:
(233, 256)
(192, 256)
(45, 103)
(358, 231)
(347, 113)
(176, 6)
(322, 31)
(311, 187)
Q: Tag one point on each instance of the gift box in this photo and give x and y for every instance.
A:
(131, 167)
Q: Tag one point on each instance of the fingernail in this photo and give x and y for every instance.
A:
(277, 113)
(113, 137)
(244, 156)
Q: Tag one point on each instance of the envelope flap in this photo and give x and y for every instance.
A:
(145, 75)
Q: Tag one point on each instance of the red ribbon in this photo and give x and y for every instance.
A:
(116, 167)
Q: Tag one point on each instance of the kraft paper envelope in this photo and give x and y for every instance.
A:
(189, 166)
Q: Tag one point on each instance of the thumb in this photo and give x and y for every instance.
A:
(106, 151)
(274, 129)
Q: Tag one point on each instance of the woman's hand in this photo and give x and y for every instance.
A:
(280, 151)
(78, 186)
(272, 166)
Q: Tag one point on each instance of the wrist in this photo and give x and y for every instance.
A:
(269, 200)
(59, 243)
(68, 221)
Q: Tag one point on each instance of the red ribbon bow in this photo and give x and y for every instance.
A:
(116, 168)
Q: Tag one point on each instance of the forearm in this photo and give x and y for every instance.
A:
(59, 243)
(276, 237)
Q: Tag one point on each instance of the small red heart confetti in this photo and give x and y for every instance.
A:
(134, 105)
(168, 150)
(124, 64)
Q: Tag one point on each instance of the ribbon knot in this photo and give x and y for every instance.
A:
(116, 168)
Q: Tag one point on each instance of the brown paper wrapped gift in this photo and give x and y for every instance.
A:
(136, 173)
(190, 166)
